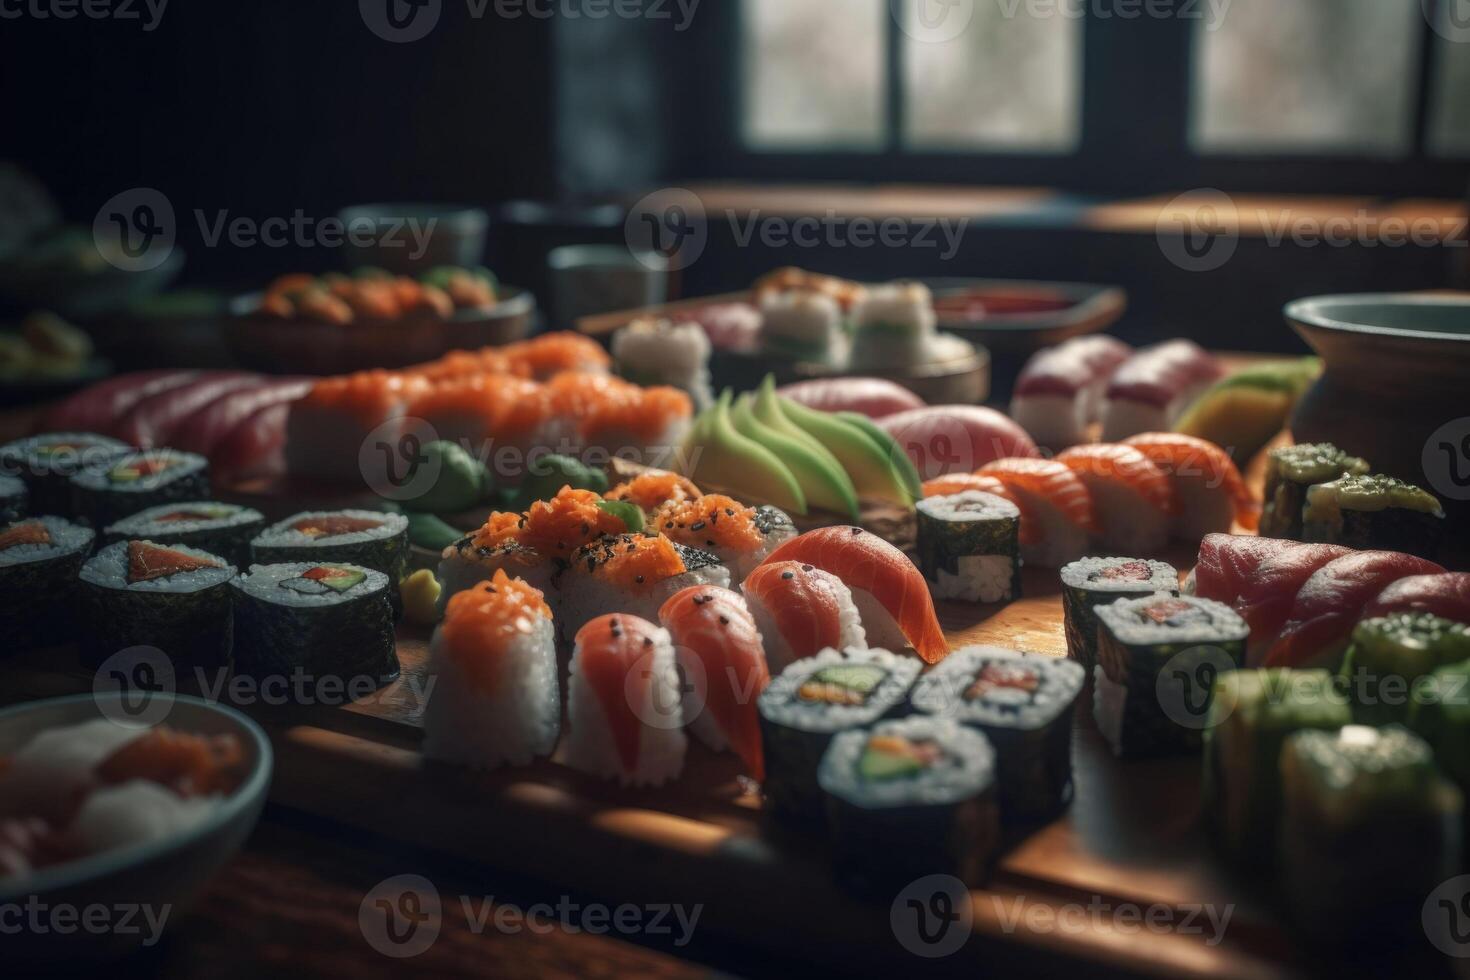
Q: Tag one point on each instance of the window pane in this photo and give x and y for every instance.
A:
(1325, 76)
(813, 73)
(1450, 136)
(1010, 82)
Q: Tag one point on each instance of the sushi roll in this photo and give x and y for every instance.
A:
(1251, 714)
(175, 598)
(46, 464)
(1157, 659)
(1290, 473)
(1369, 830)
(740, 537)
(222, 529)
(632, 573)
(663, 352)
(804, 326)
(1439, 712)
(496, 547)
(811, 701)
(39, 562)
(624, 713)
(497, 700)
(372, 539)
(1389, 655)
(724, 667)
(1058, 515)
(106, 493)
(1211, 494)
(1134, 498)
(910, 798)
(1060, 390)
(969, 547)
(800, 611)
(889, 591)
(1023, 704)
(893, 326)
(14, 499)
(1093, 582)
(315, 621)
(1375, 513)
(1152, 389)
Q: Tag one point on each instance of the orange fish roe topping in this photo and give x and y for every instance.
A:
(368, 395)
(579, 395)
(644, 415)
(713, 521)
(500, 528)
(655, 489)
(482, 621)
(553, 353)
(190, 765)
(633, 561)
(559, 526)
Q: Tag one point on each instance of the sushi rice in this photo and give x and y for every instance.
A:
(39, 562)
(630, 573)
(804, 326)
(110, 491)
(801, 610)
(223, 529)
(14, 499)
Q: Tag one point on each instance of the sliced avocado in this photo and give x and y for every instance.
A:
(722, 457)
(825, 483)
(871, 469)
(767, 408)
(879, 764)
(907, 471)
(334, 578)
(626, 511)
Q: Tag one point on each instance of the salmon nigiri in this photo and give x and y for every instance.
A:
(801, 611)
(718, 647)
(1134, 498)
(1057, 505)
(1212, 494)
(889, 591)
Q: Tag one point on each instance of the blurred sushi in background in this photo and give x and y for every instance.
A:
(804, 326)
(1059, 393)
(46, 463)
(1151, 390)
(1388, 655)
(1291, 472)
(800, 611)
(893, 327)
(666, 352)
(1375, 512)
(1247, 410)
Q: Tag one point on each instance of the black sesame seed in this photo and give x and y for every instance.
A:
(638, 579)
(697, 527)
(788, 575)
(808, 568)
(729, 512)
(856, 531)
(724, 620)
(647, 642)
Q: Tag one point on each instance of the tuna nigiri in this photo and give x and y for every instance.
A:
(1134, 498)
(890, 592)
(1266, 598)
(1212, 494)
(1330, 604)
(719, 648)
(957, 438)
(1152, 389)
(801, 611)
(1059, 392)
(1446, 595)
(1057, 511)
(1228, 561)
(874, 397)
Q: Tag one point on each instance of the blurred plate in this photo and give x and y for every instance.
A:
(1011, 314)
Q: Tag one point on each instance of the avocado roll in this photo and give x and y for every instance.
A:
(223, 529)
(1091, 582)
(1157, 660)
(1251, 715)
(46, 464)
(969, 547)
(1290, 473)
(174, 598)
(315, 621)
(910, 798)
(1369, 830)
(39, 562)
(809, 702)
(1375, 513)
(1023, 704)
(107, 492)
(14, 499)
(1388, 655)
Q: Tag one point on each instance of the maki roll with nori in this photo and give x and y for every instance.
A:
(46, 464)
(372, 539)
(812, 700)
(1091, 582)
(1251, 715)
(106, 493)
(315, 621)
(14, 498)
(910, 798)
(39, 561)
(1290, 473)
(1369, 830)
(1023, 704)
(1389, 654)
(1375, 513)
(969, 547)
(1157, 660)
(222, 529)
(1440, 714)
(174, 598)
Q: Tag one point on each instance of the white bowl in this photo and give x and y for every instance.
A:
(165, 874)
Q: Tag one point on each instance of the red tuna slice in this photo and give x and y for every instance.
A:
(1266, 598)
(1158, 375)
(153, 421)
(98, 408)
(203, 430)
(254, 448)
(1446, 595)
(1228, 561)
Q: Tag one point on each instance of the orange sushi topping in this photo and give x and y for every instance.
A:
(632, 561)
(482, 621)
(552, 353)
(646, 414)
(559, 526)
(147, 562)
(714, 521)
(654, 489)
(190, 765)
(500, 528)
(32, 532)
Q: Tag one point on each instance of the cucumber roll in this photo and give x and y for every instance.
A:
(910, 798)
(1023, 704)
(969, 547)
(1375, 513)
(1388, 655)
(1091, 582)
(1290, 473)
(14, 499)
(106, 493)
(46, 464)
(1157, 660)
(315, 621)
(39, 561)
(1369, 830)
(1251, 715)
(809, 702)
(177, 599)
(223, 529)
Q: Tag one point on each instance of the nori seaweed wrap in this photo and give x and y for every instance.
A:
(46, 464)
(106, 493)
(174, 598)
(371, 539)
(14, 499)
(1388, 655)
(315, 621)
(969, 547)
(1092, 582)
(39, 562)
(222, 529)
(1375, 513)
(910, 798)
(1290, 472)
(1023, 704)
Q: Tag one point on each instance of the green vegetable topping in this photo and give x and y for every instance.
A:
(625, 511)
(462, 480)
